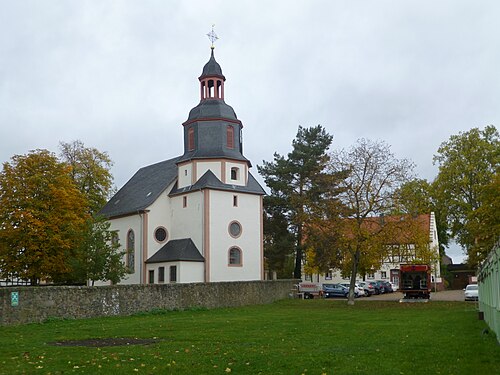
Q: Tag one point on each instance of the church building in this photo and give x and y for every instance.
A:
(196, 217)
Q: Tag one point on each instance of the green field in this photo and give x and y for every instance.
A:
(288, 337)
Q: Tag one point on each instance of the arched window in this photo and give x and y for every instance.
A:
(131, 251)
(235, 173)
(211, 89)
(190, 139)
(202, 89)
(219, 90)
(230, 136)
(115, 241)
(235, 256)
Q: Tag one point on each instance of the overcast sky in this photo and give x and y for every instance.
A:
(121, 76)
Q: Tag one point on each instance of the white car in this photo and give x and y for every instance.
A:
(359, 291)
(471, 292)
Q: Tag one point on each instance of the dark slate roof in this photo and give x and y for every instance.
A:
(177, 250)
(210, 180)
(214, 153)
(212, 108)
(212, 68)
(142, 189)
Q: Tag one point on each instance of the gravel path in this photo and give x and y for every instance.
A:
(447, 295)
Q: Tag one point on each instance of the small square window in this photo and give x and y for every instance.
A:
(383, 275)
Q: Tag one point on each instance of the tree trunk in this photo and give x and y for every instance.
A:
(354, 272)
(297, 272)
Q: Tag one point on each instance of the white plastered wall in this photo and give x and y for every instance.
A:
(203, 166)
(159, 215)
(187, 272)
(187, 222)
(242, 175)
(185, 175)
(248, 214)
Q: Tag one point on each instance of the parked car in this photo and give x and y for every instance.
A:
(361, 290)
(379, 288)
(387, 286)
(335, 290)
(471, 292)
(358, 291)
(368, 288)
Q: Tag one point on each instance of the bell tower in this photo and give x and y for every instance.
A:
(213, 134)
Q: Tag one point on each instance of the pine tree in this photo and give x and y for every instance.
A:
(296, 182)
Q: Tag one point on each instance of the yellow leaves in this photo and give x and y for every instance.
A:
(42, 212)
(227, 370)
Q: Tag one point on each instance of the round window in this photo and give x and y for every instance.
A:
(160, 234)
(235, 229)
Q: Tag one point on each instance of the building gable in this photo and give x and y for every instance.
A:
(210, 181)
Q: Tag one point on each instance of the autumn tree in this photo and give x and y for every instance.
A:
(90, 170)
(42, 217)
(374, 176)
(418, 196)
(483, 224)
(296, 182)
(468, 165)
(99, 257)
(414, 197)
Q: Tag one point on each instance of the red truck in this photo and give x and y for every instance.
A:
(415, 281)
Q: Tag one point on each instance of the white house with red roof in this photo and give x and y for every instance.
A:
(402, 252)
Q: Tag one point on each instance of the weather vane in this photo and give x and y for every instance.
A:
(212, 36)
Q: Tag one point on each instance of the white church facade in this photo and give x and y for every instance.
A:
(196, 217)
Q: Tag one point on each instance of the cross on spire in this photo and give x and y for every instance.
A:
(212, 36)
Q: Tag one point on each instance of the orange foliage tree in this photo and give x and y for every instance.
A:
(42, 217)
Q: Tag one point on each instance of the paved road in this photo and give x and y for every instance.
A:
(447, 295)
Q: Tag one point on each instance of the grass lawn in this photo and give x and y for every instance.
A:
(288, 337)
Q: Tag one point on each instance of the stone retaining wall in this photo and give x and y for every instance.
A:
(35, 304)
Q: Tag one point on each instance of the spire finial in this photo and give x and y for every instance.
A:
(212, 36)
